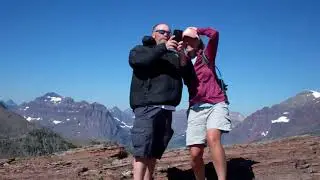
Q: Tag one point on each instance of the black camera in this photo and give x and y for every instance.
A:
(177, 35)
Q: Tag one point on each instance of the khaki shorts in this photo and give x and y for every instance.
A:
(200, 119)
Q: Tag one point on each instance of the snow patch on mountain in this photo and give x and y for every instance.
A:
(32, 119)
(264, 133)
(55, 100)
(123, 124)
(316, 94)
(56, 122)
(281, 119)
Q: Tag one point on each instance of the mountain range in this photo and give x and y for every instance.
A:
(78, 121)
(18, 137)
(294, 116)
(83, 121)
(8, 103)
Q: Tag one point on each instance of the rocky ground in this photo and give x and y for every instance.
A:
(295, 158)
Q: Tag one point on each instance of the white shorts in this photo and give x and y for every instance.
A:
(200, 119)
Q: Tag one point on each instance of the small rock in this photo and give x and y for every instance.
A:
(6, 164)
(162, 169)
(61, 163)
(93, 171)
(127, 173)
(2, 162)
(11, 160)
(82, 170)
(305, 166)
(311, 170)
(116, 162)
(121, 154)
(67, 163)
(54, 163)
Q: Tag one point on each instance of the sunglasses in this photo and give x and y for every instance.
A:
(163, 32)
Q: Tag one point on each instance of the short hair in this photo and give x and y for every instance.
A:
(156, 25)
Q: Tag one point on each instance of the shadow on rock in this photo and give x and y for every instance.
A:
(238, 168)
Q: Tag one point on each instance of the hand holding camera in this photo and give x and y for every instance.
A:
(173, 42)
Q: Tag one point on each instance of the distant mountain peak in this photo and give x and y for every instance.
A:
(52, 94)
(97, 104)
(115, 109)
(10, 102)
(2, 105)
(83, 102)
(314, 93)
(52, 97)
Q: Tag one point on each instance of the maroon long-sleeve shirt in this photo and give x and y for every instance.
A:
(204, 88)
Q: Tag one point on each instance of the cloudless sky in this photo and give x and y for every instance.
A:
(269, 49)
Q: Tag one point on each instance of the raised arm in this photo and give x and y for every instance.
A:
(212, 46)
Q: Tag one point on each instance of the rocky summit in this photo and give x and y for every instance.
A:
(294, 158)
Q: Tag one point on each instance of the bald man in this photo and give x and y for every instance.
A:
(156, 90)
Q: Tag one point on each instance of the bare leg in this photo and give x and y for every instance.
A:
(197, 163)
(139, 168)
(150, 168)
(217, 153)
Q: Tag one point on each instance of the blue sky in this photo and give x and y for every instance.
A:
(268, 51)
